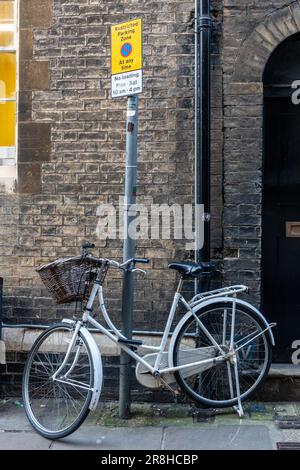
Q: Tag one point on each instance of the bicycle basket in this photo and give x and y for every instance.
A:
(69, 279)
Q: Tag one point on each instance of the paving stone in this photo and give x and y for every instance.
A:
(291, 435)
(99, 438)
(223, 437)
(13, 418)
(23, 441)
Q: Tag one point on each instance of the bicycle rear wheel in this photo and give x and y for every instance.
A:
(215, 385)
(56, 408)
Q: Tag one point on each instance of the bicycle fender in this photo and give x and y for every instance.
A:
(97, 364)
(211, 302)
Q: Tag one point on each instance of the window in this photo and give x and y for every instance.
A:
(8, 82)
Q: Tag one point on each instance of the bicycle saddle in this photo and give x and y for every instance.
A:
(191, 269)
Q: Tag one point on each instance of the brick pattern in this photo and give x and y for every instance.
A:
(80, 164)
(251, 31)
(71, 141)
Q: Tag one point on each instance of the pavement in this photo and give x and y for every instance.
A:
(160, 427)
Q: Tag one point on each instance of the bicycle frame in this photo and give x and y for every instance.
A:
(216, 327)
(228, 294)
(161, 349)
(192, 307)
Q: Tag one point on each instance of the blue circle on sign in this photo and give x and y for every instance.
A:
(126, 49)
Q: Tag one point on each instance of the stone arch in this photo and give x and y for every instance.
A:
(258, 47)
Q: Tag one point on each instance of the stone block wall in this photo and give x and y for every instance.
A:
(71, 144)
(251, 32)
(72, 141)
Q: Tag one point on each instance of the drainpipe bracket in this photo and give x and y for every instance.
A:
(204, 22)
(206, 217)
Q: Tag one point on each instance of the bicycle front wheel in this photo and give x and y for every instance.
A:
(56, 407)
(215, 384)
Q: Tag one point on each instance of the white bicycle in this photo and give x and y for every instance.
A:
(219, 353)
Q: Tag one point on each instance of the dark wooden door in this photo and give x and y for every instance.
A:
(281, 223)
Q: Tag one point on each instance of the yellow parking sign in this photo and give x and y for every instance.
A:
(126, 58)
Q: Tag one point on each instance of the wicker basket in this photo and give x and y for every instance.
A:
(69, 279)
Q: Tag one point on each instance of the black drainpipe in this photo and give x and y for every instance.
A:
(1, 306)
(203, 25)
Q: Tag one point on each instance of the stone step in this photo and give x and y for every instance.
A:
(282, 383)
(284, 370)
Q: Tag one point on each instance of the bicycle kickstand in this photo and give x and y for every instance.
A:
(175, 393)
(239, 407)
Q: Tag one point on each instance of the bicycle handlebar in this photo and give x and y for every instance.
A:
(131, 261)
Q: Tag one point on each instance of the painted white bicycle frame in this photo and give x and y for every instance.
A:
(228, 294)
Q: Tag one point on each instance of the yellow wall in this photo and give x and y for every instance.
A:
(7, 76)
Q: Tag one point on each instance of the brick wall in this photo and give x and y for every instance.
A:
(72, 141)
(251, 32)
(71, 144)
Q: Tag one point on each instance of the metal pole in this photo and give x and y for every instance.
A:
(2, 344)
(203, 25)
(128, 251)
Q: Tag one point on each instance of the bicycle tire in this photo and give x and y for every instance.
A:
(38, 412)
(196, 396)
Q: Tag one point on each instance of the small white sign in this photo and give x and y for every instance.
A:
(125, 84)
